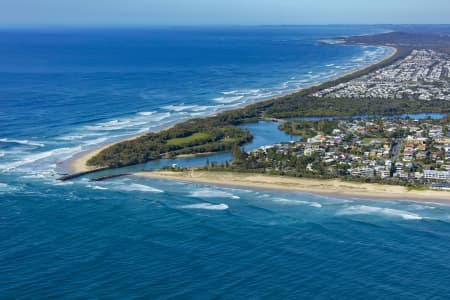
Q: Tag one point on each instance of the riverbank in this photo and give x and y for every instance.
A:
(333, 187)
(78, 164)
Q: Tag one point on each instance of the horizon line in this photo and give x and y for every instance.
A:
(30, 26)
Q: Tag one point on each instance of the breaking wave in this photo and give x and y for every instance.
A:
(97, 187)
(228, 99)
(194, 107)
(207, 206)
(59, 153)
(211, 193)
(5, 188)
(21, 142)
(381, 211)
(297, 202)
(146, 113)
(139, 187)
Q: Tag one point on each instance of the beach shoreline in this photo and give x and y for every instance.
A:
(324, 187)
(78, 163)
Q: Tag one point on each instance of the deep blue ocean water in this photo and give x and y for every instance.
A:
(65, 91)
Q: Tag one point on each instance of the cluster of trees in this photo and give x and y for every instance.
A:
(293, 106)
(291, 165)
(307, 129)
(213, 136)
(277, 164)
(223, 133)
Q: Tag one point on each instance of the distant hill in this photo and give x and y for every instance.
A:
(437, 40)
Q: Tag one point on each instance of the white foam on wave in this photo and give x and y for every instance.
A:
(297, 202)
(136, 187)
(4, 188)
(207, 206)
(146, 113)
(78, 136)
(71, 137)
(211, 193)
(144, 130)
(160, 117)
(110, 125)
(373, 210)
(35, 176)
(97, 187)
(228, 99)
(332, 42)
(267, 94)
(182, 107)
(21, 142)
(230, 92)
(141, 118)
(285, 85)
(57, 154)
(370, 55)
(95, 142)
(249, 92)
(421, 207)
(63, 183)
(179, 108)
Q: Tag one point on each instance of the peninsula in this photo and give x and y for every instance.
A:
(411, 80)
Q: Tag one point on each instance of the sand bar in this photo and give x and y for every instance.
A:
(332, 187)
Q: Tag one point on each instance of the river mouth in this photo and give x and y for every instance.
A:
(264, 133)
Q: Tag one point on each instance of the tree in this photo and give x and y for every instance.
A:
(236, 153)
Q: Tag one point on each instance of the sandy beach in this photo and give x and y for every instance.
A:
(333, 187)
(78, 164)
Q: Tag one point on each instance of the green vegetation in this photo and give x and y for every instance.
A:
(190, 137)
(367, 141)
(436, 40)
(296, 106)
(388, 150)
(417, 188)
(220, 132)
(197, 137)
(307, 129)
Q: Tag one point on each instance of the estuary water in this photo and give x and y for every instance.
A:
(65, 91)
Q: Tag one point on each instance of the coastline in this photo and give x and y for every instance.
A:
(325, 187)
(78, 163)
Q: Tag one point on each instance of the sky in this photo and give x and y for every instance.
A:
(30, 13)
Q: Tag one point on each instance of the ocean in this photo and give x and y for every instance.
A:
(70, 90)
